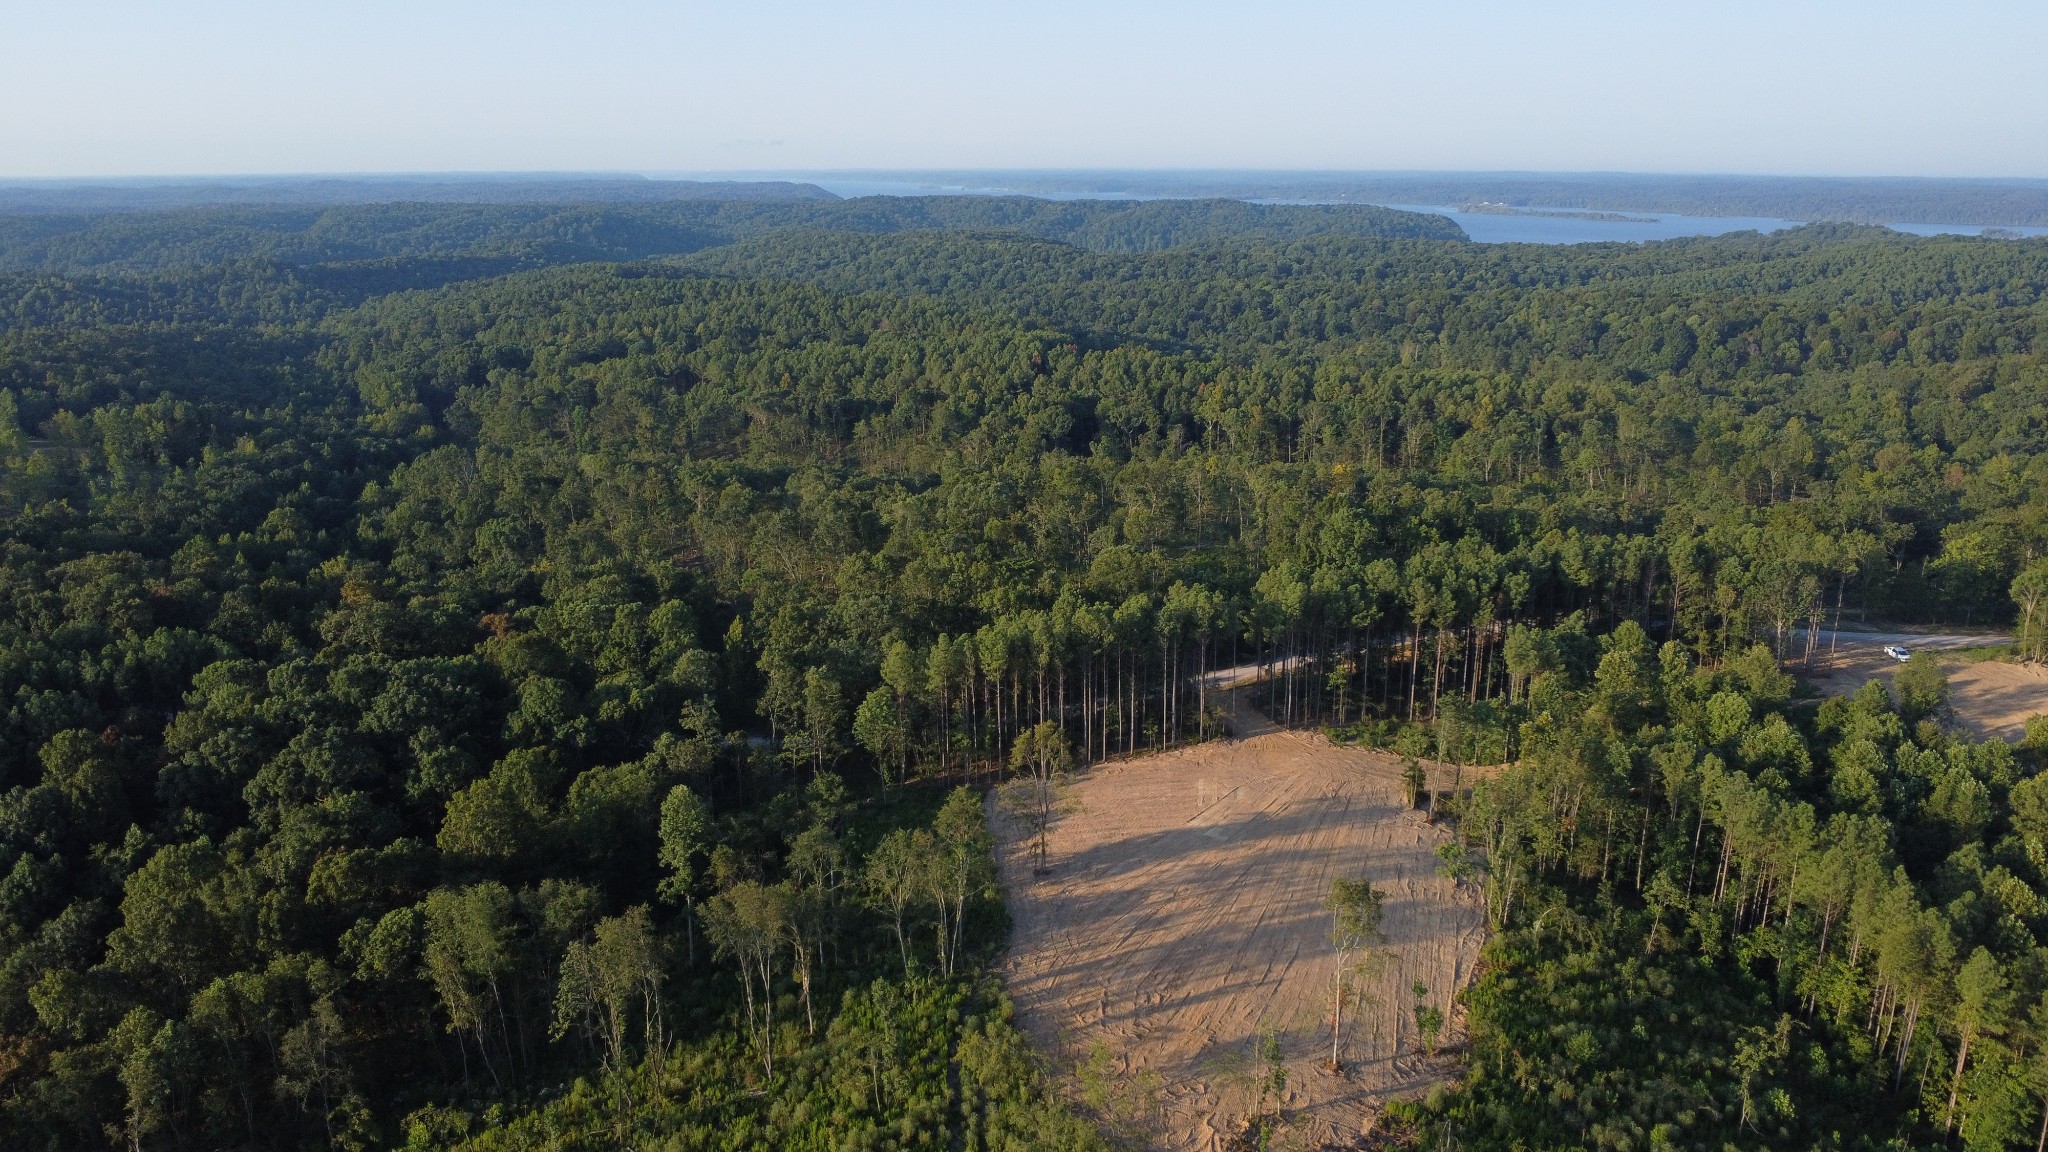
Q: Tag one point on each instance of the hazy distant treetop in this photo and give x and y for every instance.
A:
(1859, 200)
(514, 235)
(147, 195)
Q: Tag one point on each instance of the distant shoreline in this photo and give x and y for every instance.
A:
(1979, 202)
(1487, 208)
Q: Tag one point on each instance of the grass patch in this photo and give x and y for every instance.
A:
(2003, 653)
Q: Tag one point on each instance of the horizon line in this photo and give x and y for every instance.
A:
(791, 175)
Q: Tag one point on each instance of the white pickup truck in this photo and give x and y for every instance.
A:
(1898, 652)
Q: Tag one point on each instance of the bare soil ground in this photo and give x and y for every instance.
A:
(1182, 915)
(1991, 698)
(1995, 699)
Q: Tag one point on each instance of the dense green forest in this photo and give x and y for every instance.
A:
(464, 691)
(530, 235)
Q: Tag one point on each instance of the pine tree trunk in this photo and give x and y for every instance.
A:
(1955, 1086)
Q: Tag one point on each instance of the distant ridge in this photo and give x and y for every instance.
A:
(434, 242)
(138, 195)
(1856, 200)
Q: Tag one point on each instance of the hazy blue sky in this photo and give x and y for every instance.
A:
(95, 87)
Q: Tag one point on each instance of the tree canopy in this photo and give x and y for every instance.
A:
(460, 689)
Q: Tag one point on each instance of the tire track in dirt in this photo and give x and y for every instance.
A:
(1183, 914)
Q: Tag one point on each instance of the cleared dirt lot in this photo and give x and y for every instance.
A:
(1183, 915)
(1991, 698)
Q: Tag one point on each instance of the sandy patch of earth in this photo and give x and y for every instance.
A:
(1991, 698)
(1182, 915)
(1995, 699)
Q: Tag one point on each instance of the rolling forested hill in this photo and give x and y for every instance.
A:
(522, 676)
(538, 234)
(21, 197)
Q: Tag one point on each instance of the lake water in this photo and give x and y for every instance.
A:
(1483, 227)
(1491, 228)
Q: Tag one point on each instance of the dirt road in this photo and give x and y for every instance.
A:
(1183, 915)
(1991, 698)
